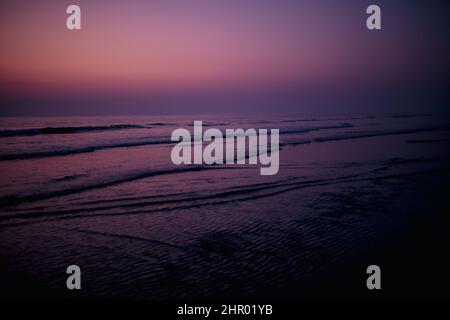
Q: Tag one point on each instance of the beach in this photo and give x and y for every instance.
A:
(102, 193)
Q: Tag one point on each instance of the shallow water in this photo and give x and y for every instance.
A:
(102, 193)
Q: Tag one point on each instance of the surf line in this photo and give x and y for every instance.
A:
(258, 149)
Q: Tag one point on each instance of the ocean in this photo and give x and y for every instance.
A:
(103, 194)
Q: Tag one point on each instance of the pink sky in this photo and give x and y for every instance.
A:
(137, 46)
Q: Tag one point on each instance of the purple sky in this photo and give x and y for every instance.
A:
(222, 56)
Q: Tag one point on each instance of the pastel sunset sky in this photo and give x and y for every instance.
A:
(211, 56)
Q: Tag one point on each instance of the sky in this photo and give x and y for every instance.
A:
(222, 56)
